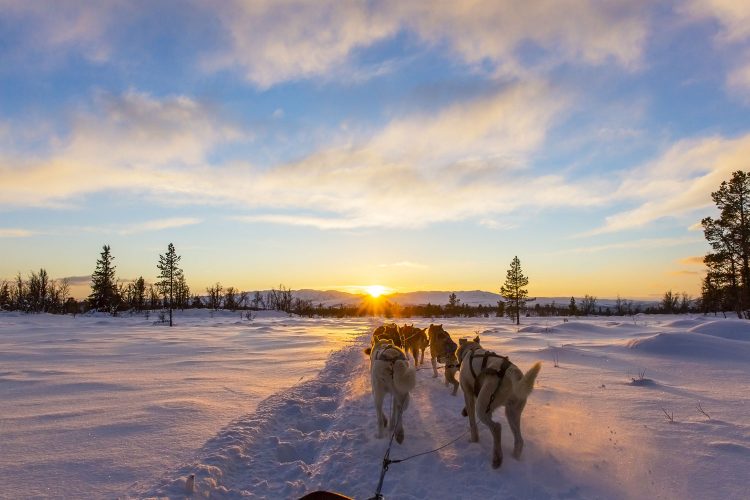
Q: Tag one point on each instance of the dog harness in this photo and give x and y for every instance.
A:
(379, 355)
(483, 371)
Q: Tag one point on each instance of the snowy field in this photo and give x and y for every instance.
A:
(98, 407)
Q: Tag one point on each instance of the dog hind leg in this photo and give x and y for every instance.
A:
(382, 421)
(485, 416)
(469, 409)
(450, 376)
(513, 412)
(434, 366)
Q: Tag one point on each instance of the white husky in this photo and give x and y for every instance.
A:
(489, 381)
(390, 373)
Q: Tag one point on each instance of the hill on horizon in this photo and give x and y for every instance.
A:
(438, 297)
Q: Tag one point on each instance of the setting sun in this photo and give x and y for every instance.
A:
(375, 290)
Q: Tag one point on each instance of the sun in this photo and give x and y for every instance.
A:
(375, 291)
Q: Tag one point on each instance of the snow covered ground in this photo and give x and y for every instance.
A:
(99, 407)
(92, 406)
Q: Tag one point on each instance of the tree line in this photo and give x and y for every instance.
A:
(39, 293)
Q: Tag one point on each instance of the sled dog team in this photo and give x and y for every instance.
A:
(487, 380)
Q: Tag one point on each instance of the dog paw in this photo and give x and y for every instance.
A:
(385, 422)
(400, 436)
(517, 451)
(474, 439)
(497, 461)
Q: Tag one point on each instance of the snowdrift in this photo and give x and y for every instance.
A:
(693, 345)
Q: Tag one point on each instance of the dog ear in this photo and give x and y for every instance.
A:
(476, 339)
(462, 341)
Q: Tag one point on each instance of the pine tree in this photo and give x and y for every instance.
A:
(572, 307)
(513, 290)
(729, 236)
(169, 275)
(104, 296)
(139, 294)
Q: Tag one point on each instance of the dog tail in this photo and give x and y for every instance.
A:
(526, 384)
(404, 376)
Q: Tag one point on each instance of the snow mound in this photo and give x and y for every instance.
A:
(582, 327)
(682, 323)
(693, 345)
(536, 329)
(733, 330)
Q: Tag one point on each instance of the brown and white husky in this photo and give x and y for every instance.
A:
(443, 350)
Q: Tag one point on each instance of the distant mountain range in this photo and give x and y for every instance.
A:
(471, 297)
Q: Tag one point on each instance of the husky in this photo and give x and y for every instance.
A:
(390, 373)
(390, 332)
(443, 350)
(489, 381)
(414, 341)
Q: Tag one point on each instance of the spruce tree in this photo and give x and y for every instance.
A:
(572, 307)
(729, 236)
(513, 290)
(169, 275)
(104, 296)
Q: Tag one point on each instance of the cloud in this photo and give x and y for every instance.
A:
(51, 28)
(469, 160)
(640, 244)
(273, 41)
(466, 161)
(127, 142)
(692, 260)
(7, 232)
(732, 16)
(684, 272)
(78, 280)
(677, 183)
(738, 79)
(159, 225)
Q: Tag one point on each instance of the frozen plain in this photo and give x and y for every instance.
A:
(99, 407)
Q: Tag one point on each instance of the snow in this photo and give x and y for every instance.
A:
(103, 407)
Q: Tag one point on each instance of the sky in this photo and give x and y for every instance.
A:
(335, 144)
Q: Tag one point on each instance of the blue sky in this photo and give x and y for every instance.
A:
(335, 144)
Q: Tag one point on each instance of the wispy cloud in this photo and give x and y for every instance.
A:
(692, 260)
(126, 142)
(496, 224)
(59, 28)
(276, 41)
(467, 161)
(159, 225)
(733, 17)
(677, 183)
(684, 272)
(7, 232)
(733, 37)
(78, 280)
(640, 244)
